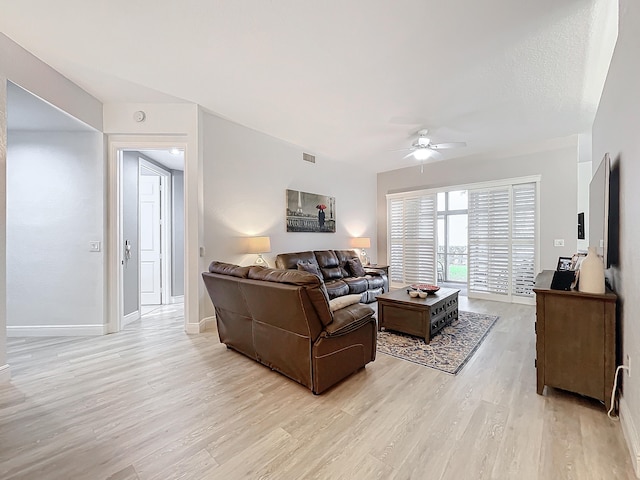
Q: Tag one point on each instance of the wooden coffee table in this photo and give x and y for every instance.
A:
(423, 317)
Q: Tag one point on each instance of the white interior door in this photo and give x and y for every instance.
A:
(150, 240)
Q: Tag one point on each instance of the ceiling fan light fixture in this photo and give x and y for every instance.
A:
(424, 141)
(421, 154)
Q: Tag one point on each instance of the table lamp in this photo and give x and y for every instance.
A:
(259, 245)
(362, 243)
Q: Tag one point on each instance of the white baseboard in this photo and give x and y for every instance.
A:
(129, 318)
(177, 299)
(5, 374)
(630, 435)
(201, 326)
(210, 322)
(55, 330)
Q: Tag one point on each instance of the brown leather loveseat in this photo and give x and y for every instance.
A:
(341, 270)
(282, 319)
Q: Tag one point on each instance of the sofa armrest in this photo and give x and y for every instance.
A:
(348, 319)
(374, 271)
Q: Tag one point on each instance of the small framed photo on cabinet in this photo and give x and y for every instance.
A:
(564, 264)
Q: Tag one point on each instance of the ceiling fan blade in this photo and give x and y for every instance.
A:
(441, 146)
(408, 155)
(401, 149)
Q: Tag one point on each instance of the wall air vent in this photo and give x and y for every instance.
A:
(307, 157)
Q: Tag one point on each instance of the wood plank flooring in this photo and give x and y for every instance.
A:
(154, 403)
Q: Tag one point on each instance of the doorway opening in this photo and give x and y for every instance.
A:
(152, 230)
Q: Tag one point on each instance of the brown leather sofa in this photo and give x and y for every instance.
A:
(282, 319)
(339, 269)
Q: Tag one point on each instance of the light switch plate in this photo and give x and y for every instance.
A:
(94, 246)
(558, 242)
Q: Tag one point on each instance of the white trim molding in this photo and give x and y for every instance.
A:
(195, 328)
(5, 374)
(177, 299)
(631, 435)
(210, 323)
(56, 330)
(130, 318)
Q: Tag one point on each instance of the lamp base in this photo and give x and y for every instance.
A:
(261, 262)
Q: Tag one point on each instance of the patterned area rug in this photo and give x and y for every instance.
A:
(448, 351)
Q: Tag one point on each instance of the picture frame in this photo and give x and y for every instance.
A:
(310, 212)
(564, 264)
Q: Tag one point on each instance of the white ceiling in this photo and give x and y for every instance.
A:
(348, 79)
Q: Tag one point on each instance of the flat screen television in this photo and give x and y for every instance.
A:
(599, 197)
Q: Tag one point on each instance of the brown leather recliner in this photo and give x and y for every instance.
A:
(338, 272)
(282, 319)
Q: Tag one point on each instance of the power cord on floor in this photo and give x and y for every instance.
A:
(613, 392)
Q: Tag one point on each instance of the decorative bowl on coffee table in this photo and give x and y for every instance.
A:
(425, 287)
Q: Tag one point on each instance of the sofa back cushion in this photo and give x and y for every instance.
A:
(313, 284)
(289, 261)
(343, 257)
(229, 269)
(329, 264)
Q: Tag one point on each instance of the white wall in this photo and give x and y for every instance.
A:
(177, 233)
(4, 367)
(617, 130)
(24, 69)
(584, 178)
(30, 73)
(556, 164)
(55, 200)
(245, 177)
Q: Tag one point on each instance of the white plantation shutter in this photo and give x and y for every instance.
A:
(502, 241)
(523, 234)
(489, 241)
(396, 240)
(412, 239)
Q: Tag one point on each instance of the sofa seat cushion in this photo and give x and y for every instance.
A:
(370, 295)
(356, 284)
(374, 281)
(336, 288)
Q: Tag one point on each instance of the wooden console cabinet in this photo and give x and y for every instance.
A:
(575, 340)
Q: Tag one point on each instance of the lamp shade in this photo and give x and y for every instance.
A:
(259, 245)
(361, 242)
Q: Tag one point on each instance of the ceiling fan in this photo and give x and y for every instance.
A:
(422, 148)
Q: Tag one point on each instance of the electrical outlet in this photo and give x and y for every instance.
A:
(628, 365)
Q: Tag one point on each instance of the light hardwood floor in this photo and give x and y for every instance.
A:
(154, 403)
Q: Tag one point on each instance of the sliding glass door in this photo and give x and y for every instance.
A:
(452, 236)
(484, 235)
